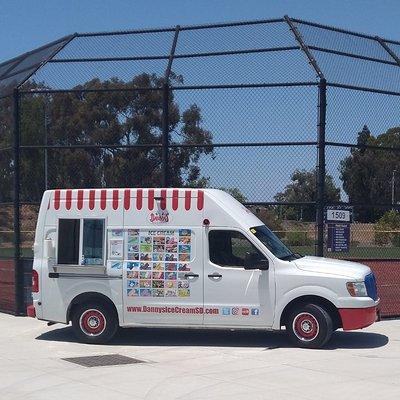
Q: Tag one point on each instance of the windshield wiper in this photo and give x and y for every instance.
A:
(291, 256)
(288, 257)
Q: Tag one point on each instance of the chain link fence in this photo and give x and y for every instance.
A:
(289, 116)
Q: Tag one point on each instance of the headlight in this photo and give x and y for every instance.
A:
(357, 289)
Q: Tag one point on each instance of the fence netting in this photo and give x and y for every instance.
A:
(237, 106)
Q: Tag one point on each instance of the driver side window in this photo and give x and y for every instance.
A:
(229, 248)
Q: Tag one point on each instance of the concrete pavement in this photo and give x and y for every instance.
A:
(197, 364)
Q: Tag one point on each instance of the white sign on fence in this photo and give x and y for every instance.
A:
(338, 215)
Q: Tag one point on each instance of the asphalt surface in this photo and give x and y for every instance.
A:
(197, 364)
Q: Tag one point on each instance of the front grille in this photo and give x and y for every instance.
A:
(370, 284)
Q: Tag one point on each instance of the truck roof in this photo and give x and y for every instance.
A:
(194, 203)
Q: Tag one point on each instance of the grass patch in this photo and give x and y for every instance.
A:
(355, 252)
(9, 252)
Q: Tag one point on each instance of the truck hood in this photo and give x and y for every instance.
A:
(331, 266)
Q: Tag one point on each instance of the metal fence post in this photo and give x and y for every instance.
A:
(46, 138)
(165, 116)
(165, 135)
(18, 272)
(321, 166)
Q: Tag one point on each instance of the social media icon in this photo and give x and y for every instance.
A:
(235, 310)
(226, 311)
(255, 311)
(245, 311)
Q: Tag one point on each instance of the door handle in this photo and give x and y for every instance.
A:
(215, 276)
(191, 275)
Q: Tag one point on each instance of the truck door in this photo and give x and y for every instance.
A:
(163, 276)
(243, 297)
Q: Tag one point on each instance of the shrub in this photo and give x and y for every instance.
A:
(386, 227)
(396, 239)
(297, 238)
(268, 216)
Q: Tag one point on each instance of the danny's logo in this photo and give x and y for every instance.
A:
(159, 217)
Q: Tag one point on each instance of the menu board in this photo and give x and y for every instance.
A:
(156, 261)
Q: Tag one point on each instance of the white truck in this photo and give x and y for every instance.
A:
(109, 258)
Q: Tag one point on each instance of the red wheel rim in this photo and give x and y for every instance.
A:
(305, 327)
(92, 322)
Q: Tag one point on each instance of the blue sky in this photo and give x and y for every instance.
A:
(25, 24)
(280, 114)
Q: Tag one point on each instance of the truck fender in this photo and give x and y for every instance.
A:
(91, 296)
(302, 291)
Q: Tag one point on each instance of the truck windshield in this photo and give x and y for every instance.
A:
(273, 243)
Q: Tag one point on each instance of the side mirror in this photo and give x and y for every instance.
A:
(254, 261)
(48, 249)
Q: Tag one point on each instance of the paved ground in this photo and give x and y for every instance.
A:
(183, 364)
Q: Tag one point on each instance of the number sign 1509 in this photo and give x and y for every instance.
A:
(338, 215)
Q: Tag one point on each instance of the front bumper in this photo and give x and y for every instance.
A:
(357, 318)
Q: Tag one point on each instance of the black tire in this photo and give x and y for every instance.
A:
(94, 323)
(309, 326)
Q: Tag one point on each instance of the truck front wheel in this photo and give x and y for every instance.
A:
(94, 323)
(309, 326)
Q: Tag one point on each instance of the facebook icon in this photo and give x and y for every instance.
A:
(226, 311)
(255, 311)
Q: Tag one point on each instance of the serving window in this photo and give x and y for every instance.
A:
(81, 242)
(68, 241)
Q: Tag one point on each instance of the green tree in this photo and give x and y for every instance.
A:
(6, 155)
(111, 118)
(32, 161)
(367, 172)
(303, 188)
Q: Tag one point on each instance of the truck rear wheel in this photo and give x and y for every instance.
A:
(94, 323)
(309, 326)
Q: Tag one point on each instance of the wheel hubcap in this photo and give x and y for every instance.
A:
(92, 322)
(305, 327)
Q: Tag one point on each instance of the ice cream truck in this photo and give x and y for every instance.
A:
(110, 258)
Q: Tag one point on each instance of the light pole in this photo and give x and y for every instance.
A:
(393, 187)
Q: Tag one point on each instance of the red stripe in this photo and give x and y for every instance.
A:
(103, 199)
(80, 199)
(151, 199)
(139, 199)
(188, 198)
(127, 199)
(68, 199)
(115, 199)
(57, 199)
(175, 199)
(163, 203)
(92, 199)
(200, 200)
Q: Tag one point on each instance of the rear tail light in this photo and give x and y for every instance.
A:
(35, 281)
